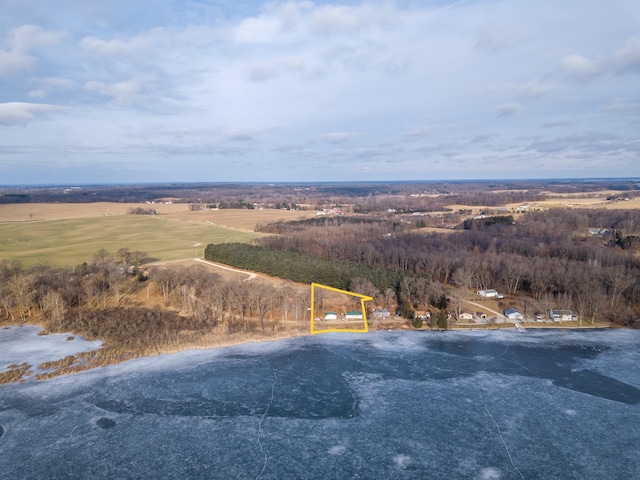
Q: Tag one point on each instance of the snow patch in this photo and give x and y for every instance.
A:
(23, 344)
(402, 461)
(490, 473)
(337, 450)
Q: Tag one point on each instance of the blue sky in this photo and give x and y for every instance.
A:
(204, 90)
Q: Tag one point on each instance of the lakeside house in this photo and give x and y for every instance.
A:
(354, 315)
(465, 316)
(381, 313)
(331, 316)
(561, 315)
(513, 314)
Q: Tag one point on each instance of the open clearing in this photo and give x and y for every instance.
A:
(73, 241)
(60, 234)
(242, 219)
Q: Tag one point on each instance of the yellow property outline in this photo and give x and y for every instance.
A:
(363, 298)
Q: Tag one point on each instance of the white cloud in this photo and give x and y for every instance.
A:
(580, 67)
(289, 21)
(412, 88)
(15, 113)
(122, 93)
(16, 50)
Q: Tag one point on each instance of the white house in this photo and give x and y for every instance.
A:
(561, 315)
(465, 316)
(331, 316)
(513, 314)
(382, 313)
(354, 315)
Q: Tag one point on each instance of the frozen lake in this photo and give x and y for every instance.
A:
(383, 405)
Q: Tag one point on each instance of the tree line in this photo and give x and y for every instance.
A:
(547, 256)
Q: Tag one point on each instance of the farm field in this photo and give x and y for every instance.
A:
(70, 242)
(60, 234)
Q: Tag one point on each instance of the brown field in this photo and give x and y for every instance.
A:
(241, 219)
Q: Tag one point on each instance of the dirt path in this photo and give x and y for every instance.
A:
(252, 275)
(484, 307)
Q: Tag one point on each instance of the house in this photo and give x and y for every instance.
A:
(331, 316)
(561, 315)
(513, 314)
(354, 315)
(488, 293)
(382, 313)
(465, 316)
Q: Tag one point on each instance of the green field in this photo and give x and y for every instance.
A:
(71, 242)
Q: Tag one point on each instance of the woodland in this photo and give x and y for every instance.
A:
(582, 259)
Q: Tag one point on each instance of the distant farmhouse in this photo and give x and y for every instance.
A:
(354, 315)
(331, 316)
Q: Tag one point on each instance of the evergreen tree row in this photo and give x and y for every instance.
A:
(299, 267)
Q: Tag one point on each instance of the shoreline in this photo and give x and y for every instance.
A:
(89, 360)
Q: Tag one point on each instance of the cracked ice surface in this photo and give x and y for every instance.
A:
(477, 405)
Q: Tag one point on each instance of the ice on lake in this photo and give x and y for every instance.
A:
(452, 405)
(23, 344)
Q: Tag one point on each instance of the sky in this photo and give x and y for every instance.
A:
(131, 91)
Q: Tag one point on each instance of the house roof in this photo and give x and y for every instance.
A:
(354, 312)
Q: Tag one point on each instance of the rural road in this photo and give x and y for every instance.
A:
(224, 267)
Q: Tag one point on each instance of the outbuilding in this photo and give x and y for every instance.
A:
(490, 292)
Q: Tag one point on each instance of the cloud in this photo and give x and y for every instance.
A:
(289, 21)
(619, 105)
(48, 85)
(580, 67)
(122, 93)
(626, 59)
(262, 71)
(17, 47)
(623, 60)
(338, 137)
(508, 109)
(17, 113)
